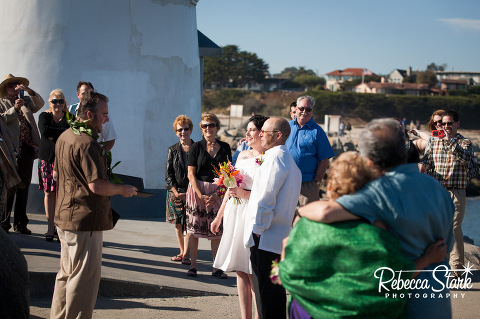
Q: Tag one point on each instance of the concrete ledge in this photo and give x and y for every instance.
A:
(135, 207)
(42, 285)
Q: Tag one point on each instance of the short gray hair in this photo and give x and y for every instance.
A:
(383, 142)
(306, 97)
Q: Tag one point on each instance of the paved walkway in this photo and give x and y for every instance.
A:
(140, 281)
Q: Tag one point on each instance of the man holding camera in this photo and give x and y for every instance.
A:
(446, 159)
(17, 112)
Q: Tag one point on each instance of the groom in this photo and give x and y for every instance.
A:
(269, 215)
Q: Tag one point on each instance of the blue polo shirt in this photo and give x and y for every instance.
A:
(308, 146)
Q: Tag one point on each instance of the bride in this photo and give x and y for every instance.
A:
(232, 255)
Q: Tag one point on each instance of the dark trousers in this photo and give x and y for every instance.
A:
(271, 299)
(25, 166)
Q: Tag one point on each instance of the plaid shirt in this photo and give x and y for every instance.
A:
(447, 161)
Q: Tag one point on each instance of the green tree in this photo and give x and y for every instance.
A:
(310, 81)
(408, 79)
(427, 77)
(434, 67)
(292, 72)
(234, 68)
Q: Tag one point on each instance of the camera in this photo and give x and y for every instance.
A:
(21, 94)
(437, 133)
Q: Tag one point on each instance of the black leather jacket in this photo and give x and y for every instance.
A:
(176, 169)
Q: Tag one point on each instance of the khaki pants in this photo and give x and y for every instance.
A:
(76, 284)
(309, 192)
(457, 254)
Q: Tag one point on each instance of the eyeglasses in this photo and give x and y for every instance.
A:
(59, 101)
(186, 129)
(210, 125)
(274, 131)
(447, 123)
(306, 109)
(437, 123)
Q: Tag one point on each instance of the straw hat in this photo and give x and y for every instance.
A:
(9, 79)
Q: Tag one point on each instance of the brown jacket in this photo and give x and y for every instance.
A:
(10, 117)
(78, 162)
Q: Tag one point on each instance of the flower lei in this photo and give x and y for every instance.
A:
(81, 126)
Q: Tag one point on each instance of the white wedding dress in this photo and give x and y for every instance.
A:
(232, 254)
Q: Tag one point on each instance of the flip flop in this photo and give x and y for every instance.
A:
(177, 258)
(219, 274)
(186, 261)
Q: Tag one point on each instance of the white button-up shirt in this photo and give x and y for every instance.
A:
(273, 199)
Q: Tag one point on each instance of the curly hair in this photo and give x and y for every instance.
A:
(348, 174)
(431, 125)
(182, 120)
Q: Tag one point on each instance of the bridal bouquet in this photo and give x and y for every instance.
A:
(228, 177)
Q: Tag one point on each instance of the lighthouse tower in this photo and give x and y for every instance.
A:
(142, 54)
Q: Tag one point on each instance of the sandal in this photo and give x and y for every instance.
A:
(186, 261)
(177, 258)
(192, 272)
(219, 274)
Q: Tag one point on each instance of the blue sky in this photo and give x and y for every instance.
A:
(380, 35)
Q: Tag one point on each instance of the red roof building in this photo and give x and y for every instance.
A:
(335, 78)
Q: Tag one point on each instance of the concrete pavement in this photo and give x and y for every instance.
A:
(140, 281)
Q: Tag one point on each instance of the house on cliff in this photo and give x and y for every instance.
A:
(337, 77)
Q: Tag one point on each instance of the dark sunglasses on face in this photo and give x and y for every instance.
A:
(12, 85)
(306, 109)
(186, 129)
(447, 123)
(59, 101)
(210, 125)
(437, 123)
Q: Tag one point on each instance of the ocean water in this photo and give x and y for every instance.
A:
(471, 221)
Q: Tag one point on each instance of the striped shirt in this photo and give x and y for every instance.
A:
(447, 160)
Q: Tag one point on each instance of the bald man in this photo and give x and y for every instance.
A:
(269, 215)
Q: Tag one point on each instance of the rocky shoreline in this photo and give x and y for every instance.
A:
(235, 131)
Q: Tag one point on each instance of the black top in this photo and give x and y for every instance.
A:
(412, 153)
(176, 168)
(50, 131)
(199, 157)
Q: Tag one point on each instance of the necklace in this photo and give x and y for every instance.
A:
(211, 147)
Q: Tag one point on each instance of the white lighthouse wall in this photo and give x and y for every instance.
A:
(142, 54)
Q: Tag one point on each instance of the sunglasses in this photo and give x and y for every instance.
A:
(437, 123)
(59, 101)
(274, 131)
(186, 129)
(447, 123)
(12, 85)
(210, 125)
(306, 109)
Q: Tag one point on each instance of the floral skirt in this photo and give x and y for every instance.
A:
(200, 217)
(45, 177)
(175, 210)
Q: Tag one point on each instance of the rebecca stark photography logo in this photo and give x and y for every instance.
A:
(393, 282)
